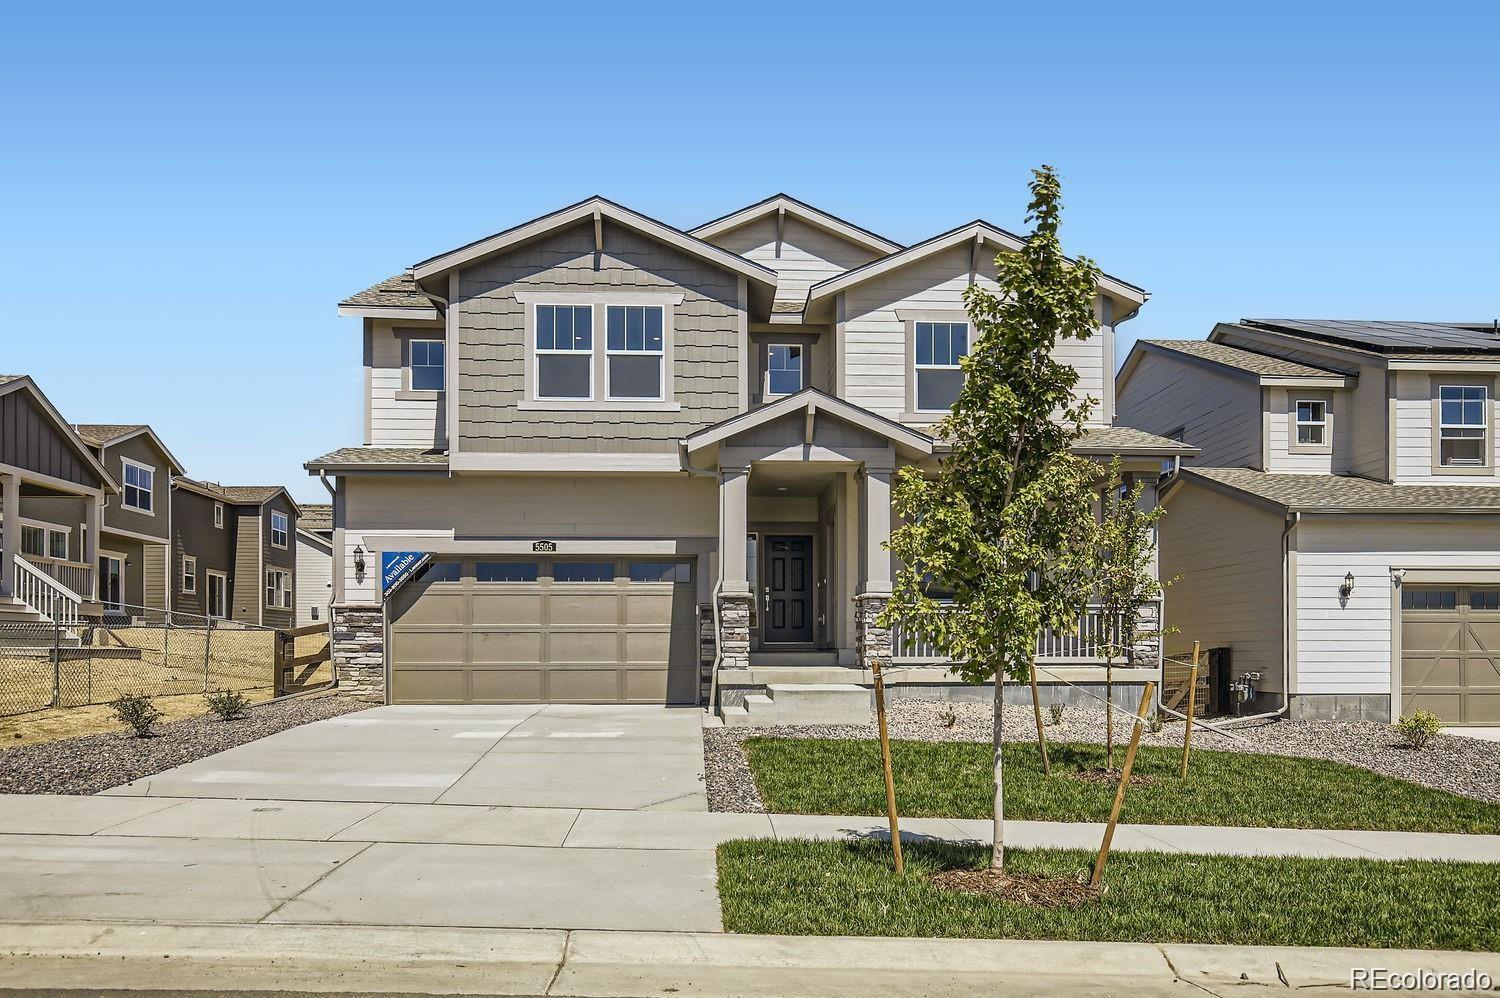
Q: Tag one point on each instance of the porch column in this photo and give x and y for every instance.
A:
(735, 596)
(872, 642)
(93, 523)
(10, 537)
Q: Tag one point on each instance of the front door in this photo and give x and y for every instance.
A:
(788, 589)
(111, 574)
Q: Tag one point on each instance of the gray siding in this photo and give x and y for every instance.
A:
(399, 417)
(29, 439)
(490, 365)
(1218, 413)
(142, 451)
(275, 557)
(194, 534)
(807, 254)
(314, 579)
(247, 589)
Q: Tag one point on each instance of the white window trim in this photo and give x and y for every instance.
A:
(411, 365)
(40, 528)
(660, 355)
(1324, 444)
(126, 462)
(915, 367)
(208, 608)
(281, 587)
(286, 531)
(537, 353)
(189, 582)
(1483, 427)
(599, 303)
(218, 516)
(52, 532)
(802, 355)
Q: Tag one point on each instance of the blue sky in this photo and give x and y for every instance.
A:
(187, 190)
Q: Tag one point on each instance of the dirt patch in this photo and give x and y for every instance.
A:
(1109, 777)
(1029, 889)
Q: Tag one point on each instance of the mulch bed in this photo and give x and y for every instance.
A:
(1024, 888)
(93, 763)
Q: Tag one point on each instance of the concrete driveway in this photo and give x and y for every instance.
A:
(500, 817)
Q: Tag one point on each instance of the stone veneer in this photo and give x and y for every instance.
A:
(734, 630)
(359, 650)
(1145, 640)
(872, 642)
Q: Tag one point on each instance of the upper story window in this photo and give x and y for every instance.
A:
(427, 365)
(635, 350)
(1312, 422)
(279, 525)
(278, 589)
(784, 368)
(565, 352)
(219, 515)
(938, 347)
(138, 480)
(1463, 427)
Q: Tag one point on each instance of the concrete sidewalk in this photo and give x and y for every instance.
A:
(583, 963)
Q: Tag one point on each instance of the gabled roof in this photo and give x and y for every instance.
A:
(23, 382)
(1127, 441)
(812, 400)
(236, 495)
(380, 459)
(316, 516)
(396, 297)
(1342, 493)
(1388, 337)
(598, 208)
(108, 434)
(978, 232)
(1267, 369)
(800, 210)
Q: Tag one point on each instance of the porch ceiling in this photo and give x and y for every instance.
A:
(780, 479)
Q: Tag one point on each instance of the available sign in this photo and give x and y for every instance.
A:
(397, 566)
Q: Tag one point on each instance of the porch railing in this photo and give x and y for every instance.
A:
(75, 575)
(1086, 645)
(45, 595)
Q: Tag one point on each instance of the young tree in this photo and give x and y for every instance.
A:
(1007, 525)
(1125, 580)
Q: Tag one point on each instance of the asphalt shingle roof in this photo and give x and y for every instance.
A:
(316, 516)
(1129, 440)
(396, 291)
(99, 434)
(1313, 493)
(240, 495)
(6, 379)
(1261, 364)
(377, 457)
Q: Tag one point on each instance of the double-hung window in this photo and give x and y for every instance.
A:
(57, 544)
(938, 347)
(1463, 437)
(278, 589)
(33, 541)
(565, 352)
(138, 480)
(1312, 422)
(784, 368)
(635, 352)
(279, 525)
(189, 574)
(219, 515)
(427, 358)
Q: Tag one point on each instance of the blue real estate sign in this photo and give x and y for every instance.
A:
(396, 566)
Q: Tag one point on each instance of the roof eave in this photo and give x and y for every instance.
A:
(417, 314)
(803, 211)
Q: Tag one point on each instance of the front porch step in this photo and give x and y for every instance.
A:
(800, 704)
(803, 659)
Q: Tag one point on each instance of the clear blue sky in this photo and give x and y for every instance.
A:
(187, 190)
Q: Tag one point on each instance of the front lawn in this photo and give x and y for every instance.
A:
(795, 887)
(953, 780)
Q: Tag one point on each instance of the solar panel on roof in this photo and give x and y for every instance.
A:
(1386, 337)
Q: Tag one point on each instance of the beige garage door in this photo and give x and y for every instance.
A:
(1450, 652)
(497, 630)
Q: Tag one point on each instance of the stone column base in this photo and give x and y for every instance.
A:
(358, 648)
(872, 643)
(734, 631)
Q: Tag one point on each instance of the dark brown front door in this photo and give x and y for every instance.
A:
(788, 589)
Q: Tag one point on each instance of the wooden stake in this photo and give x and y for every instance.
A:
(1187, 731)
(885, 760)
(1036, 709)
(1114, 812)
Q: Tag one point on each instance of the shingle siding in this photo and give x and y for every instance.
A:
(491, 351)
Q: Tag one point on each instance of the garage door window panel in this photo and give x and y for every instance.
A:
(583, 571)
(676, 572)
(506, 571)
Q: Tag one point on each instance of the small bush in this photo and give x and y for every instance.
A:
(1056, 710)
(1154, 724)
(1418, 727)
(136, 710)
(228, 704)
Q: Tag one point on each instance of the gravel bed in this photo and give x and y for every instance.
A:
(93, 763)
(1467, 766)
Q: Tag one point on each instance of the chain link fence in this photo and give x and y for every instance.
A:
(130, 650)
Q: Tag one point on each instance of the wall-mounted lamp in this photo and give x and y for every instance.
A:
(1346, 588)
(359, 561)
(1398, 575)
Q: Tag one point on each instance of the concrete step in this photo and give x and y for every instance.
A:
(820, 703)
(738, 716)
(801, 659)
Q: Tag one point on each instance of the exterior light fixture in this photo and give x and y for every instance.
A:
(1347, 587)
(359, 559)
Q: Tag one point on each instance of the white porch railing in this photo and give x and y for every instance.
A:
(45, 595)
(75, 575)
(1086, 645)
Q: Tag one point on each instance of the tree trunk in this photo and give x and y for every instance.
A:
(997, 852)
(1109, 710)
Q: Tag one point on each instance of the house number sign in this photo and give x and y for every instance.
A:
(544, 547)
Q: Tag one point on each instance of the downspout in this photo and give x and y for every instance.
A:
(1288, 593)
(718, 591)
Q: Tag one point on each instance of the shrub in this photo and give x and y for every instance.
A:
(228, 704)
(136, 710)
(1056, 710)
(1154, 724)
(1418, 727)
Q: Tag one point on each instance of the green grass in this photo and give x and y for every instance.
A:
(838, 888)
(953, 780)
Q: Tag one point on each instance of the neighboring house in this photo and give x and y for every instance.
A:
(314, 563)
(630, 453)
(45, 466)
(234, 552)
(1339, 531)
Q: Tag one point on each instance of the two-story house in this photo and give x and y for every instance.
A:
(630, 454)
(314, 563)
(234, 552)
(1339, 531)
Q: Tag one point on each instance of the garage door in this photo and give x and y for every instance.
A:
(1450, 652)
(496, 630)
